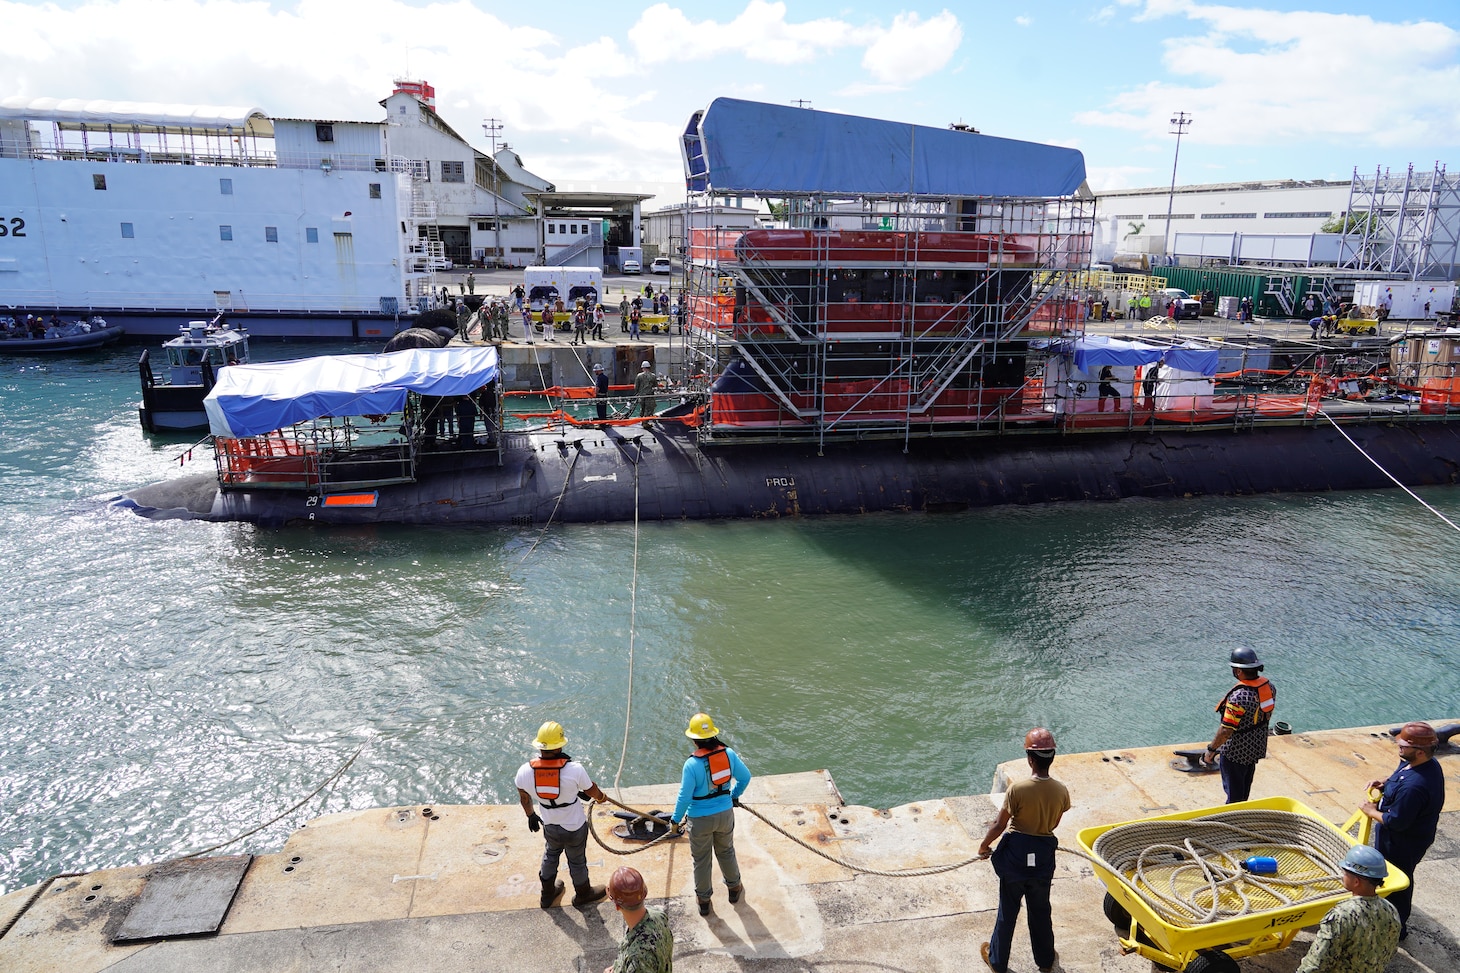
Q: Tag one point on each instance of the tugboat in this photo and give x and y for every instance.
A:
(194, 359)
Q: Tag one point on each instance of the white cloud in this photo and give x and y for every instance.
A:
(1023, 21)
(913, 48)
(761, 32)
(1274, 75)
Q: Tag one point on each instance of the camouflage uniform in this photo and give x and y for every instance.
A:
(648, 947)
(1357, 936)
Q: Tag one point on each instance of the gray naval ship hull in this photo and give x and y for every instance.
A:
(664, 473)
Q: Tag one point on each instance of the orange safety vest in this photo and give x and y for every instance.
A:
(1266, 700)
(718, 761)
(547, 781)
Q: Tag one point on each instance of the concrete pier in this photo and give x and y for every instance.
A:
(455, 888)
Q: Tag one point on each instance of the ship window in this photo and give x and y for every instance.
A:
(225, 233)
(311, 234)
(225, 186)
(127, 231)
(98, 181)
(453, 172)
(271, 234)
(323, 132)
(375, 190)
(552, 228)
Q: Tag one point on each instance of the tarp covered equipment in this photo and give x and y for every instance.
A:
(250, 400)
(736, 146)
(1093, 352)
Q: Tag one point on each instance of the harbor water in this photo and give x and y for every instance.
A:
(167, 685)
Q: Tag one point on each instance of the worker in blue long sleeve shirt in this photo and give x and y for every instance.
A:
(1408, 813)
(709, 791)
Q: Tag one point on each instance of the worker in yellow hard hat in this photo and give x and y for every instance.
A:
(710, 786)
(1024, 860)
(557, 784)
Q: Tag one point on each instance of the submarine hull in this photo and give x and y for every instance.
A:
(667, 474)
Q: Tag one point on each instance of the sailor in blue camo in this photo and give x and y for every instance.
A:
(648, 946)
(1357, 936)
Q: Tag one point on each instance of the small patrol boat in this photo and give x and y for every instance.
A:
(82, 335)
(194, 359)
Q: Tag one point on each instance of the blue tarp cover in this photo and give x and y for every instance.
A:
(750, 147)
(250, 400)
(1096, 351)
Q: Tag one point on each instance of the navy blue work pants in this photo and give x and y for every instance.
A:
(1236, 779)
(1034, 891)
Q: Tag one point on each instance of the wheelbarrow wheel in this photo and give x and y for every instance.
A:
(1116, 913)
(1213, 961)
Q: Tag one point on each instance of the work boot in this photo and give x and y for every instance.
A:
(587, 894)
(736, 891)
(704, 906)
(550, 894)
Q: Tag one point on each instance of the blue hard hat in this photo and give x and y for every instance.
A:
(1366, 861)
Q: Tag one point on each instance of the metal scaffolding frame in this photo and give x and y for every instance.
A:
(882, 317)
(1410, 227)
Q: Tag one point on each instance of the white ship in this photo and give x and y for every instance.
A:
(152, 214)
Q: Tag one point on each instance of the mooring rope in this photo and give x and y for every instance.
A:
(865, 870)
(277, 818)
(1381, 469)
(633, 613)
(561, 493)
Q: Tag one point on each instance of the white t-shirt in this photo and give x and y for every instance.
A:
(573, 779)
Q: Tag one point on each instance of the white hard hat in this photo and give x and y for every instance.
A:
(644, 364)
(597, 367)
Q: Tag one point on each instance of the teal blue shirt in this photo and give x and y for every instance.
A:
(695, 782)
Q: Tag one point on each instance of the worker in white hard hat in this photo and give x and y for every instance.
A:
(710, 786)
(600, 392)
(646, 385)
(555, 784)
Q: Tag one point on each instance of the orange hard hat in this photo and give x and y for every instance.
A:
(626, 887)
(1419, 734)
(1040, 741)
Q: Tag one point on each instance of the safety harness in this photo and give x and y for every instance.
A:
(547, 781)
(1266, 701)
(717, 760)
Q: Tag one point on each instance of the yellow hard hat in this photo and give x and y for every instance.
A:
(550, 737)
(701, 727)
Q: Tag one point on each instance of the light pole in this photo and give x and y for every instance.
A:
(493, 128)
(1180, 122)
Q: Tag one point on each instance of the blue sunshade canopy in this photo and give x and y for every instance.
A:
(250, 400)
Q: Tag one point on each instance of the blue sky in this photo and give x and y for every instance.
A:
(593, 98)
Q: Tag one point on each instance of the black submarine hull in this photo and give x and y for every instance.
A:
(665, 473)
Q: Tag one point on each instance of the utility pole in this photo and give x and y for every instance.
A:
(493, 128)
(1180, 122)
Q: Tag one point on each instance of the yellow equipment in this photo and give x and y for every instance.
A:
(1201, 914)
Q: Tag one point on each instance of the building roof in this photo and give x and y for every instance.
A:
(588, 200)
(78, 112)
(1228, 187)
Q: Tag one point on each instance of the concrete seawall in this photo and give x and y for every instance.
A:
(454, 888)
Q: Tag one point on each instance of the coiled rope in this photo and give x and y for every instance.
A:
(1381, 469)
(1190, 872)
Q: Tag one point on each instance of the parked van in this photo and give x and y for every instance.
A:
(545, 284)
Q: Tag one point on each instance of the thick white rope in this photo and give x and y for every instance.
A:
(633, 612)
(1386, 472)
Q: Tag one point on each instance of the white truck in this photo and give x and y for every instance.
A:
(545, 284)
(631, 260)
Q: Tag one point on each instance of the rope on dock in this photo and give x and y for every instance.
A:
(863, 869)
(1190, 872)
(1386, 472)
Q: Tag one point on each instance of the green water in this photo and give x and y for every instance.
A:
(167, 685)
